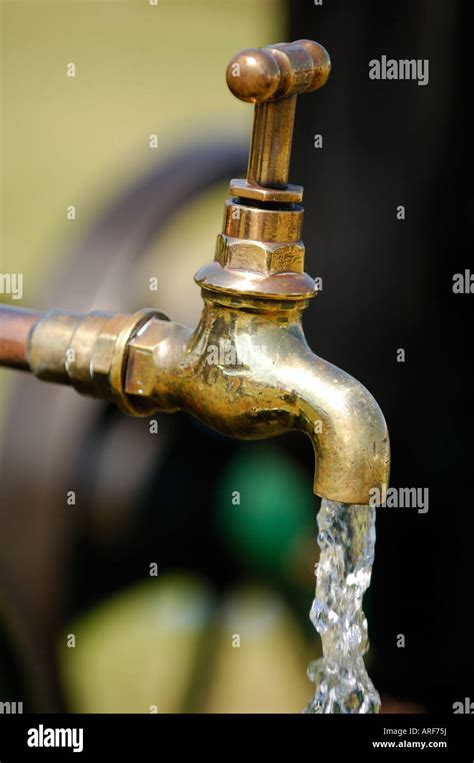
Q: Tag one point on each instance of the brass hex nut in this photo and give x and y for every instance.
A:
(259, 256)
(141, 365)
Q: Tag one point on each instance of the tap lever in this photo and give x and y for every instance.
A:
(259, 251)
(271, 78)
(278, 71)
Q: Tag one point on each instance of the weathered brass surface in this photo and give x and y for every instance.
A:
(271, 77)
(263, 223)
(254, 192)
(246, 370)
(258, 75)
(260, 249)
(89, 352)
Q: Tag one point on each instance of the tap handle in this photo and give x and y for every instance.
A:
(271, 78)
(257, 75)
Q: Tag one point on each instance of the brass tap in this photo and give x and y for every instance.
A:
(246, 370)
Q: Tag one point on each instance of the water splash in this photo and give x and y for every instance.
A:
(347, 540)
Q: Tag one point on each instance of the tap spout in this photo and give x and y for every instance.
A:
(248, 372)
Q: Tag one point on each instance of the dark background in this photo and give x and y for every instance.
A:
(388, 285)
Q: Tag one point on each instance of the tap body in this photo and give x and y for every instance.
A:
(246, 370)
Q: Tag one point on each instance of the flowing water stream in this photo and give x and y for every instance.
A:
(347, 539)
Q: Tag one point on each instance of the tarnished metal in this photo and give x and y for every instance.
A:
(15, 326)
(246, 370)
(89, 352)
(271, 77)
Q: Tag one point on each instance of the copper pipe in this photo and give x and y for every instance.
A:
(16, 324)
